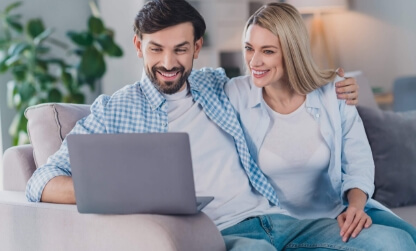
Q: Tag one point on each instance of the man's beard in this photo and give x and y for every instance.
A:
(168, 87)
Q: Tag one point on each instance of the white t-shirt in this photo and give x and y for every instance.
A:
(217, 168)
(295, 157)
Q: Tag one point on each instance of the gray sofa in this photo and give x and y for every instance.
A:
(44, 226)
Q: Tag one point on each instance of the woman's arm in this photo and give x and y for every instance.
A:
(354, 219)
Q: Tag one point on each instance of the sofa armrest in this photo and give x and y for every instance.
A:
(44, 226)
(18, 167)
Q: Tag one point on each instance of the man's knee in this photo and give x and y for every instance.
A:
(236, 243)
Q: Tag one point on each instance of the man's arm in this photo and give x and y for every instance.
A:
(347, 89)
(52, 182)
(59, 190)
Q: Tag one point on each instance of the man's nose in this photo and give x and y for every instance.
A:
(169, 61)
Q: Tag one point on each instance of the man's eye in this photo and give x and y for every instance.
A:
(180, 50)
(156, 49)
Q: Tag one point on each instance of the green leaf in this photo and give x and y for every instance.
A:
(35, 27)
(57, 61)
(26, 91)
(76, 98)
(19, 72)
(41, 66)
(45, 78)
(42, 36)
(3, 67)
(107, 44)
(14, 17)
(11, 91)
(14, 126)
(12, 60)
(18, 128)
(34, 101)
(67, 80)
(54, 95)
(92, 64)
(42, 49)
(18, 48)
(23, 138)
(12, 6)
(95, 25)
(80, 38)
(15, 25)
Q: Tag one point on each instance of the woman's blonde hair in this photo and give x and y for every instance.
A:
(284, 21)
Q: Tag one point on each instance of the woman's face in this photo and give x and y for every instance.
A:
(263, 56)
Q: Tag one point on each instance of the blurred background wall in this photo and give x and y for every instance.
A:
(374, 36)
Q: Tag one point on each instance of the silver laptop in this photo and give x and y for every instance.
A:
(133, 173)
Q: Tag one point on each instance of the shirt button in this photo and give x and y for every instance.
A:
(165, 124)
(317, 115)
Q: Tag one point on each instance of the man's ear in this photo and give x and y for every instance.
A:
(198, 46)
(138, 44)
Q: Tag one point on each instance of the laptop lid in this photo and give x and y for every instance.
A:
(133, 173)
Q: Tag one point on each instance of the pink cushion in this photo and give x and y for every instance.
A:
(48, 124)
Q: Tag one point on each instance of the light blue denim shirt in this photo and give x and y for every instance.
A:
(351, 164)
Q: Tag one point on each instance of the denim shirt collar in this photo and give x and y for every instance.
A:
(256, 97)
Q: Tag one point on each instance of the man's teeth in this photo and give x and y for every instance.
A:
(259, 72)
(168, 74)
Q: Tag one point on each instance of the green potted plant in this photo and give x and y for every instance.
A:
(40, 77)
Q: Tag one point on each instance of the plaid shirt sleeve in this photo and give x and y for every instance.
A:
(58, 164)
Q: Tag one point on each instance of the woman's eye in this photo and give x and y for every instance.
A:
(268, 52)
(248, 48)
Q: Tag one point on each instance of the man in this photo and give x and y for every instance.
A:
(169, 98)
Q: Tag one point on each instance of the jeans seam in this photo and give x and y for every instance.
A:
(322, 245)
(267, 227)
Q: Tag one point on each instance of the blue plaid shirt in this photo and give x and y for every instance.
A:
(141, 108)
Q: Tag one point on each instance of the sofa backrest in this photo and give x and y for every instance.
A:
(48, 124)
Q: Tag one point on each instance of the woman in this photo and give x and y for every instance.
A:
(311, 145)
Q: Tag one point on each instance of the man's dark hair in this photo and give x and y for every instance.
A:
(157, 15)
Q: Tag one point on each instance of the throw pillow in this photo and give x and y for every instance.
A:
(48, 124)
(392, 137)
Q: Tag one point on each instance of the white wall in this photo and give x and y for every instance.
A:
(61, 15)
(128, 69)
(377, 37)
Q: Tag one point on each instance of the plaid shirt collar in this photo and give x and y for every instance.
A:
(155, 98)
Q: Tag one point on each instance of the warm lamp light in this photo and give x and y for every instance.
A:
(318, 7)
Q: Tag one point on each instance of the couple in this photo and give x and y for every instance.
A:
(314, 177)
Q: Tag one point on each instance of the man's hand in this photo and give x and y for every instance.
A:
(347, 89)
(354, 219)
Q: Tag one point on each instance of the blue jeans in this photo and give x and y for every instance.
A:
(387, 219)
(281, 232)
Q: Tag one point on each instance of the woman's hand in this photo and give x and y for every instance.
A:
(354, 219)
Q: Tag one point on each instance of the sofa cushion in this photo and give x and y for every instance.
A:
(48, 124)
(392, 137)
